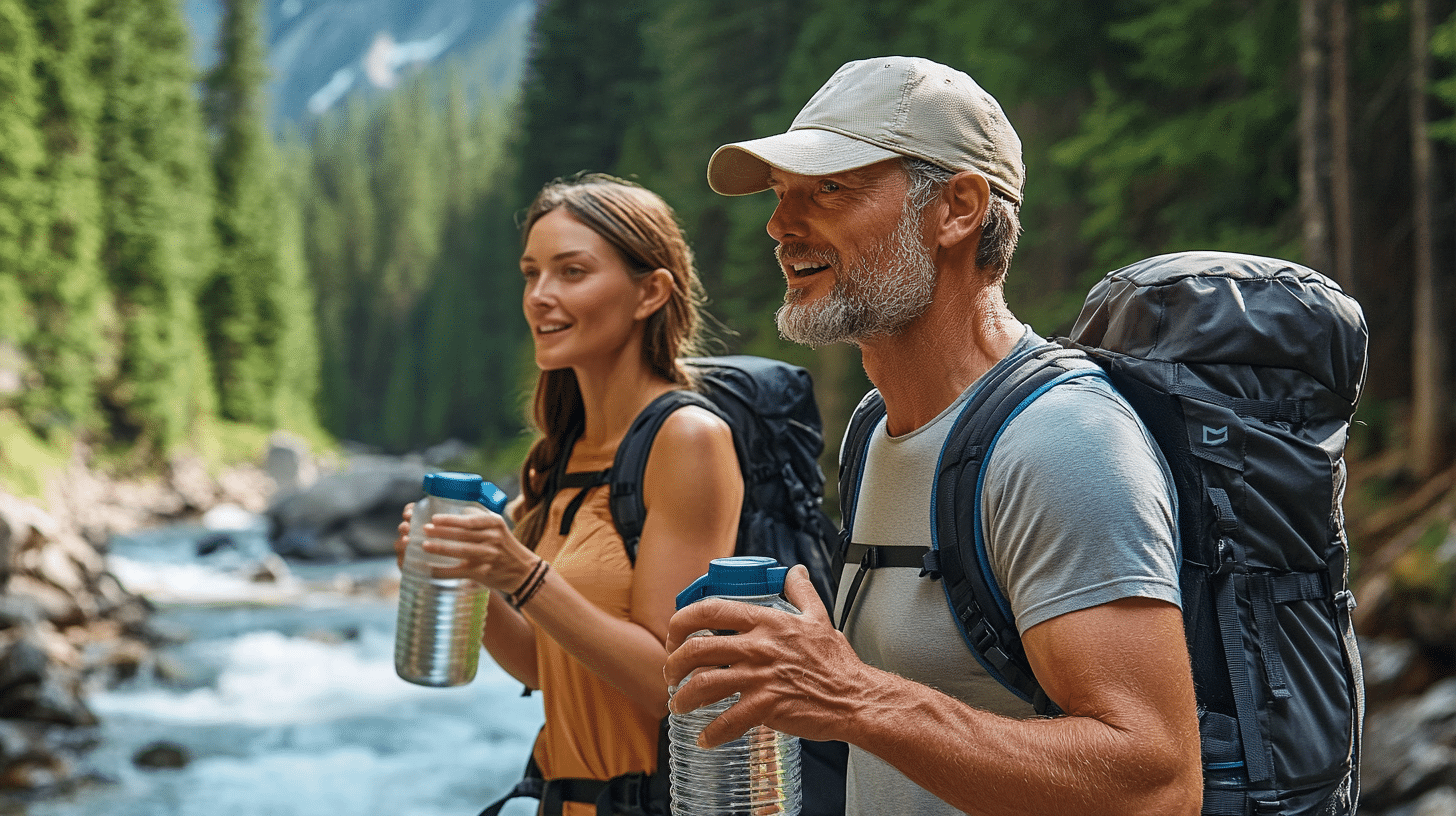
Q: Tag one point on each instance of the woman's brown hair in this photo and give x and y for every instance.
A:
(645, 232)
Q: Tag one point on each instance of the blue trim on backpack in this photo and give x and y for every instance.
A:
(981, 557)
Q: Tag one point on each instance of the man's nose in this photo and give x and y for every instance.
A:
(787, 220)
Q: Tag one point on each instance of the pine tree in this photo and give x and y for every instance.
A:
(257, 306)
(20, 156)
(157, 243)
(75, 344)
(587, 81)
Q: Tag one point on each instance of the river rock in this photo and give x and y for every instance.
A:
(1409, 750)
(289, 463)
(161, 754)
(347, 514)
(63, 620)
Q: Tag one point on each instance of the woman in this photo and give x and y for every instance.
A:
(612, 300)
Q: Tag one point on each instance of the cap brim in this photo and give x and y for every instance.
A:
(743, 167)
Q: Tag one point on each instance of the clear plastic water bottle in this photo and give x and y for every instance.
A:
(441, 620)
(757, 773)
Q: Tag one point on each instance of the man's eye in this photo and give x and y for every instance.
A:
(828, 187)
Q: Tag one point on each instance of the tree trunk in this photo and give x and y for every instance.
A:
(1314, 134)
(1342, 169)
(1428, 437)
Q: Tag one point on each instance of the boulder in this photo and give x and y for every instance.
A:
(161, 754)
(289, 463)
(352, 513)
(63, 619)
(1410, 750)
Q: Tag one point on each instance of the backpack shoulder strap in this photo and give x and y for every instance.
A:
(630, 463)
(958, 547)
(862, 423)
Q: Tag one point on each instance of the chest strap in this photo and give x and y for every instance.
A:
(585, 480)
(876, 557)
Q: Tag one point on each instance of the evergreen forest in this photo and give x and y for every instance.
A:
(175, 275)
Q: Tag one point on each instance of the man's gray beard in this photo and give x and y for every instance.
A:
(880, 294)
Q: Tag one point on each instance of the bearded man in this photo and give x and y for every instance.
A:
(898, 186)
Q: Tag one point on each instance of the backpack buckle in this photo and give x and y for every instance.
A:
(1267, 807)
(629, 790)
(1227, 556)
(930, 565)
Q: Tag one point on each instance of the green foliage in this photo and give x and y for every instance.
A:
(1443, 46)
(20, 156)
(411, 245)
(1189, 142)
(588, 82)
(257, 308)
(156, 243)
(718, 70)
(27, 461)
(74, 345)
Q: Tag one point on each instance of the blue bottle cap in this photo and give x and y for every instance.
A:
(465, 487)
(739, 575)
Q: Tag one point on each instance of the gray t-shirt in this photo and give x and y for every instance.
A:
(1078, 511)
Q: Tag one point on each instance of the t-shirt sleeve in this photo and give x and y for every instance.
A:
(1078, 507)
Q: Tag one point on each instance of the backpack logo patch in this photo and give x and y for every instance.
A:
(1215, 436)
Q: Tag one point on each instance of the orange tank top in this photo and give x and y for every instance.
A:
(592, 730)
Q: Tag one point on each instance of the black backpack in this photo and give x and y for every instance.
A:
(778, 435)
(1246, 370)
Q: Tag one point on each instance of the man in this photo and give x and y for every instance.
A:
(898, 187)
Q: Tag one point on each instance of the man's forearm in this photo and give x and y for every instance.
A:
(991, 765)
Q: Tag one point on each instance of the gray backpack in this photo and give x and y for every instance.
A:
(1246, 370)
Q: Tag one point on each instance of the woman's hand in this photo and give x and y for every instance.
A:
(488, 552)
(401, 543)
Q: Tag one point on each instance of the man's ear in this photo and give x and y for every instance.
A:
(966, 197)
(654, 289)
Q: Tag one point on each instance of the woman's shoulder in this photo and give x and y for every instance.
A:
(692, 428)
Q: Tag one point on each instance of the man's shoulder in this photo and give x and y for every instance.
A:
(1079, 408)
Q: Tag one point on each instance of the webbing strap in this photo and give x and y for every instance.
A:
(871, 557)
(1257, 757)
(1285, 410)
(1224, 803)
(1261, 597)
(1344, 604)
(586, 481)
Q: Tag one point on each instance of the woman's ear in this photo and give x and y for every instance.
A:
(654, 289)
(965, 198)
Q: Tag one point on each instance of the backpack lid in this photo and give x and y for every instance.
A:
(736, 576)
(465, 487)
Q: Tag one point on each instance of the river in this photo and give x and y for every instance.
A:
(284, 699)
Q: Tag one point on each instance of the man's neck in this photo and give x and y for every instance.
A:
(923, 368)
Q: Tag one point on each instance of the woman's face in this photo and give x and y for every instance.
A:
(580, 301)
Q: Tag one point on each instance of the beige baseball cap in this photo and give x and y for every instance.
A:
(877, 109)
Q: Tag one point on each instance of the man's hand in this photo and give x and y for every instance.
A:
(795, 673)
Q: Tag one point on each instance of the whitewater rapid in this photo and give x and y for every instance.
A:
(283, 696)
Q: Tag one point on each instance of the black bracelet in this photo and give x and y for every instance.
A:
(522, 597)
(530, 576)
